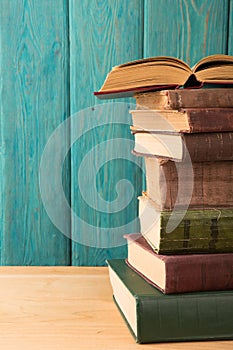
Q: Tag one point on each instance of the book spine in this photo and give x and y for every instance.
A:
(203, 317)
(186, 98)
(200, 231)
(191, 231)
(203, 274)
(211, 182)
(207, 147)
(209, 120)
(197, 147)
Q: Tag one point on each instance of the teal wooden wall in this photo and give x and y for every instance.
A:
(34, 97)
(53, 55)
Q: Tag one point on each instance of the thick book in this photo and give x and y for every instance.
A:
(196, 184)
(189, 120)
(198, 147)
(164, 71)
(154, 317)
(182, 231)
(185, 98)
(179, 273)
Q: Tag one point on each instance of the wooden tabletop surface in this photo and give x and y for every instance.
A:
(68, 308)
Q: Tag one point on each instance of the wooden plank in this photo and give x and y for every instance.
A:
(187, 29)
(230, 29)
(34, 101)
(102, 34)
(68, 308)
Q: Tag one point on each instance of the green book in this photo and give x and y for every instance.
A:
(197, 231)
(156, 317)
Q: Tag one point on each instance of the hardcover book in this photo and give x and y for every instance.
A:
(185, 98)
(186, 231)
(199, 147)
(164, 71)
(156, 317)
(189, 120)
(179, 273)
(198, 184)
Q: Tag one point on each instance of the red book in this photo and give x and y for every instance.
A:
(107, 95)
(180, 273)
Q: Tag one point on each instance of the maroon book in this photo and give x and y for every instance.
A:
(179, 273)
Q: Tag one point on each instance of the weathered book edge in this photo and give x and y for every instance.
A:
(185, 98)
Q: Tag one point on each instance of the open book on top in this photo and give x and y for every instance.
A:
(165, 72)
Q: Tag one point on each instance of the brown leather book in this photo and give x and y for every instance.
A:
(185, 98)
(204, 185)
(199, 147)
(188, 120)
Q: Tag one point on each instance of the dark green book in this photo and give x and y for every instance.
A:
(155, 317)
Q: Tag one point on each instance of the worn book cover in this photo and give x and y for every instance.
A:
(198, 147)
(185, 98)
(156, 317)
(179, 273)
(185, 231)
(168, 183)
(185, 120)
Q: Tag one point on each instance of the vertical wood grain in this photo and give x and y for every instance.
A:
(35, 92)
(230, 29)
(103, 33)
(34, 101)
(187, 29)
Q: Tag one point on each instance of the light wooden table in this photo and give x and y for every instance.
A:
(66, 308)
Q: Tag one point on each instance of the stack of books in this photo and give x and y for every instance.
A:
(188, 152)
(177, 281)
